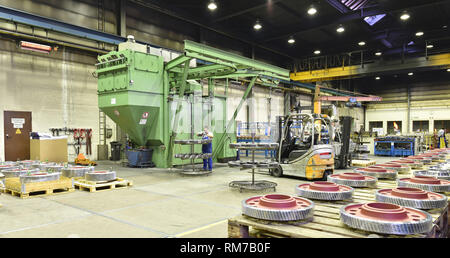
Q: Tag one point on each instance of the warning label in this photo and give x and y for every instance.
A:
(18, 131)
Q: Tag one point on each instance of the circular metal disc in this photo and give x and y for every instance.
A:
(368, 181)
(400, 168)
(388, 174)
(277, 211)
(433, 173)
(39, 177)
(257, 185)
(76, 171)
(442, 187)
(350, 217)
(433, 200)
(99, 176)
(330, 191)
(18, 172)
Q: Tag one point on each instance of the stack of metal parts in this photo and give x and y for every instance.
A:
(386, 218)
(433, 156)
(192, 169)
(393, 166)
(353, 180)
(253, 185)
(193, 156)
(9, 166)
(55, 168)
(324, 191)
(18, 172)
(278, 207)
(100, 176)
(440, 171)
(377, 172)
(39, 177)
(426, 183)
(254, 145)
(193, 141)
(249, 164)
(443, 154)
(407, 162)
(43, 165)
(423, 160)
(412, 197)
(361, 152)
(28, 163)
(76, 171)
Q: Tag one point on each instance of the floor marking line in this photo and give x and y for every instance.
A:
(200, 228)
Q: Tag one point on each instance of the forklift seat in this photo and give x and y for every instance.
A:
(296, 154)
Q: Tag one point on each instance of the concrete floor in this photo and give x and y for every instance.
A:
(161, 203)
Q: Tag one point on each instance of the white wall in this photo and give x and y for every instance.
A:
(419, 111)
(58, 89)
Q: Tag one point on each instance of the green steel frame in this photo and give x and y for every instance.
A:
(131, 83)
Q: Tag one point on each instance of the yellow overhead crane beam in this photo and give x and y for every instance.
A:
(345, 72)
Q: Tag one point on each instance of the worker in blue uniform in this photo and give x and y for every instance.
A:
(442, 141)
(207, 148)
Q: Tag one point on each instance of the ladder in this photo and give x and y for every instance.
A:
(102, 127)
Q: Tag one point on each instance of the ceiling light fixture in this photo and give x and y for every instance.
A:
(362, 43)
(35, 47)
(448, 70)
(419, 33)
(291, 40)
(377, 78)
(312, 11)
(317, 52)
(340, 29)
(212, 5)
(405, 16)
(430, 46)
(410, 74)
(378, 53)
(257, 26)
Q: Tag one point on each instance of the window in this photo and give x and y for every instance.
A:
(375, 124)
(394, 126)
(439, 124)
(421, 126)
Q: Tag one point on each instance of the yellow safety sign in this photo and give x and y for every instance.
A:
(18, 131)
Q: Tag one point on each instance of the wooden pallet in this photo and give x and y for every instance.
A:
(326, 221)
(14, 187)
(92, 186)
(363, 163)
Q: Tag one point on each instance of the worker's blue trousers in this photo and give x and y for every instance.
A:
(207, 148)
(207, 163)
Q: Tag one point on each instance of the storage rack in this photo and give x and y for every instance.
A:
(394, 146)
(253, 185)
(192, 169)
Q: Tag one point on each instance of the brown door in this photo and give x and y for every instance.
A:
(17, 127)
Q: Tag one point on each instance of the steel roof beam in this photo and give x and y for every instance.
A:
(234, 14)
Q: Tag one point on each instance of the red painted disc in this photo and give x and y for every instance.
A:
(403, 161)
(385, 212)
(376, 169)
(389, 165)
(353, 176)
(278, 202)
(325, 187)
(425, 180)
(408, 192)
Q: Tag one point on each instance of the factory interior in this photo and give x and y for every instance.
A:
(206, 119)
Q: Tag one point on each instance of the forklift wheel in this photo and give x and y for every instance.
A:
(325, 175)
(276, 172)
(337, 163)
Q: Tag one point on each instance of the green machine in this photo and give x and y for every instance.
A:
(157, 102)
